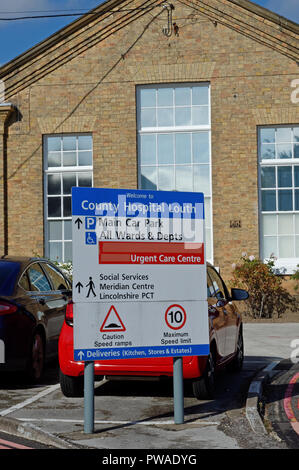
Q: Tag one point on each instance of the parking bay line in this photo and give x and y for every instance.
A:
(123, 423)
(30, 400)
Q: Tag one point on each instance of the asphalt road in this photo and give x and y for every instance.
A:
(139, 415)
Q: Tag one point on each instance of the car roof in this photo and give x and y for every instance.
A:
(23, 260)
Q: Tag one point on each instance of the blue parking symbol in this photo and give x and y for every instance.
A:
(90, 238)
(90, 223)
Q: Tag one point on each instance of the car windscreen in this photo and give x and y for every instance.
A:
(8, 274)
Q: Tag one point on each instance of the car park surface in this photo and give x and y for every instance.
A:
(33, 298)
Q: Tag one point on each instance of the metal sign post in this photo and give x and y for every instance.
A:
(88, 397)
(139, 280)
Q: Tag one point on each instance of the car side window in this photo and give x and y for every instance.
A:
(24, 282)
(210, 287)
(217, 284)
(58, 280)
(38, 279)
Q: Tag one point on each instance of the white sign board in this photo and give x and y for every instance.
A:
(139, 274)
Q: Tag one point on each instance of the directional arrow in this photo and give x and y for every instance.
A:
(79, 286)
(78, 222)
(81, 355)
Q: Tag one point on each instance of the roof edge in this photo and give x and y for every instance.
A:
(59, 35)
(268, 14)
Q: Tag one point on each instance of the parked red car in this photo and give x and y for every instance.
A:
(226, 348)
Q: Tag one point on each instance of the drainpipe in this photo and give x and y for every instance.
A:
(6, 110)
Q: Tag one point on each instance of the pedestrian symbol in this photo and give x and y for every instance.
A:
(91, 287)
(112, 321)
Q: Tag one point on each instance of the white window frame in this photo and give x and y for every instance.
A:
(60, 170)
(175, 130)
(282, 265)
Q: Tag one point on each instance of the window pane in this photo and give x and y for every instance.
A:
(296, 134)
(165, 148)
(68, 251)
(55, 230)
(267, 151)
(166, 178)
(208, 212)
(296, 151)
(183, 177)
(286, 247)
(284, 151)
(149, 178)
(284, 177)
(148, 149)
(54, 207)
(296, 173)
(148, 117)
(55, 251)
(201, 147)
(165, 117)
(297, 224)
(38, 280)
(85, 142)
(165, 97)
(67, 206)
(200, 116)
(202, 179)
(67, 229)
(268, 177)
(147, 97)
(183, 148)
(54, 144)
(69, 159)
(85, 158)
(283, 134)
(182, 96)
(85, 180)
(268, 200)
(285, 224)
(296, 199)
(270, 246)
(58, 281)
(200, 95)
(267, 135)
(69, 180)
(297, 247)
(69, 143)
(285, 202)
(183, 116)
(54, 184)
(269, 224)
(54, 159)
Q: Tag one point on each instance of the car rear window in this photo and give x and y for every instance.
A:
(8, 274)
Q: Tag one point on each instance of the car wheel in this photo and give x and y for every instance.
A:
(37, 358)
(237, 363)
(204, 387)
(71, 386)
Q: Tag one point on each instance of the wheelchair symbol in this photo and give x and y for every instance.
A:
(90, 238)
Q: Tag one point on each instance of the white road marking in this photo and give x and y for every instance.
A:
(146, 423)
(30, 400)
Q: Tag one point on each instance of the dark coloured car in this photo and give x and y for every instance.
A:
(33, 297)
(226, 348)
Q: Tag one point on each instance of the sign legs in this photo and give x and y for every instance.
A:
(88, 397)
(178, 390)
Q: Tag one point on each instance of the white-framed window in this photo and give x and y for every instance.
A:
(174, 142)
(279, 195)
(68, 162)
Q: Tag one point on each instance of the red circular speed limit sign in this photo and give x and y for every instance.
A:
(175, 317)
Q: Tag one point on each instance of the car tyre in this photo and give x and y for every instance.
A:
(71, 387)
(36, 361)
(237, 363)
(204, 387)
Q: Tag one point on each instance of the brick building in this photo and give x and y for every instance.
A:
(193, 95)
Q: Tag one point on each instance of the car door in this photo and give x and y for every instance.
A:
(227, 309)
(51, 305)
(217, 315)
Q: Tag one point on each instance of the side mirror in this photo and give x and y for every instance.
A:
(239, 294)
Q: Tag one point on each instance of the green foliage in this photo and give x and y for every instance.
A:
(295, 277)
(267, 297)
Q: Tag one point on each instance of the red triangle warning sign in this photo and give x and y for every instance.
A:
(112, 322)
